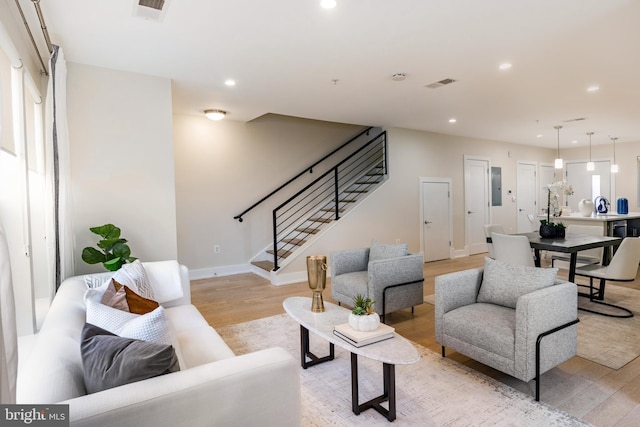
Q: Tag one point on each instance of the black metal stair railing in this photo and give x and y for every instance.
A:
(308, 169)
(324, 199)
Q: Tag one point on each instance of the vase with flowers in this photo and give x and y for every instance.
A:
(549, 229)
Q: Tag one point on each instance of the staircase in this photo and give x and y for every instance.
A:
(303, 217)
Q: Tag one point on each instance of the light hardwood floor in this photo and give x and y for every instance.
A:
(597, 394)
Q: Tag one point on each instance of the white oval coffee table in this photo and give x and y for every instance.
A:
(391, 352)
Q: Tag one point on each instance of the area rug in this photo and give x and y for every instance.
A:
(432, 392)
(608, 341)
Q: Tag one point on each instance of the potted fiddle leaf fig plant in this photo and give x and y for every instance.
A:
(113, 250)
(363, 317)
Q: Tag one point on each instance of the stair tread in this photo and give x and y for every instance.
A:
(325, 220)
(348, 200)
(282, 253)
(295, 242)
(331, 210)
(308, 230)
(356, 191)
(265, 265)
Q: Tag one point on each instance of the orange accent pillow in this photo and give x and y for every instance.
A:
(139, 304)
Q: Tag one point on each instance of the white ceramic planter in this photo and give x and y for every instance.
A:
(365, 323)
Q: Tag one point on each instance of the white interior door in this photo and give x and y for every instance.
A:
(436, 218)
(476, 200)
(526, 195)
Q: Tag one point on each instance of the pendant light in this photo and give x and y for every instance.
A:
(558, 162)
(590, 165)
(614, 166)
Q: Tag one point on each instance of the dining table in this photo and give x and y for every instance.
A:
(572, 244)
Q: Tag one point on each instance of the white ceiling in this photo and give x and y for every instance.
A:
(285, 54)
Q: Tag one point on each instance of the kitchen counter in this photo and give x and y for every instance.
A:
(614, 224)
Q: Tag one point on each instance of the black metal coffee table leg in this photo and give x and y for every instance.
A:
(389, 380)
(305, 353)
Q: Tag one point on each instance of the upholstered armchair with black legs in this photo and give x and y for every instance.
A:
(519, 320)
(387, 274)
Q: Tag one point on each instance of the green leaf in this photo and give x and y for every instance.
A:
(108, 244)
(92, 256)
(107, 231)
(113, 264)
(121, 250)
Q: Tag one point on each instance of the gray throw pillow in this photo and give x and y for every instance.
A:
(380, 251)
(503, 283)
(111, 361)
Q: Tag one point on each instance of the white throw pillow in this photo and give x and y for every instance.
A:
(164, 277)
(135, 277)
(503, 283)
(153, 326)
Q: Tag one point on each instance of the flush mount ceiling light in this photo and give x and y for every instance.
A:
(398, 77)
(614, 166)
(328, 4)
(452, 120)
(230, 82)
(558, 162)
(215, 114)
(590, 165)
(593, 88)
(505, 66)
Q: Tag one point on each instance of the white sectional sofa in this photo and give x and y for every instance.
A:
(213, 388)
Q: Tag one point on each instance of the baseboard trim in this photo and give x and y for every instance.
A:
(229, 270)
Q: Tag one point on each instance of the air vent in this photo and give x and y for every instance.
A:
(579, 119)
(153, 4)
(440, 83)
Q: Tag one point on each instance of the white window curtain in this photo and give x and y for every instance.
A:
(8, 331)
(57, 166)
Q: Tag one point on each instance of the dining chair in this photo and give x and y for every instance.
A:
(512, 249)
(488, 229)
(588, 257)
(622, 268)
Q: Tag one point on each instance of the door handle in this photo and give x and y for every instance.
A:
(469, 212)
(428, 222)
(521, 210)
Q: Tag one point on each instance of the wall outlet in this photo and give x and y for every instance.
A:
(397, 240)
(216, 249)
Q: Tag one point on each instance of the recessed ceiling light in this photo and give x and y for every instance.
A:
(230, 82)
(574, 141)
(505, 66)
(593, 88)
(328, 4)
(452, 120)
(539, 135)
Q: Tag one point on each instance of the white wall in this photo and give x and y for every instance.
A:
(224, 167)
(122, 167)
(221, 167)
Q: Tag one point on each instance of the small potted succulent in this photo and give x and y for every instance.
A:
(363, 317)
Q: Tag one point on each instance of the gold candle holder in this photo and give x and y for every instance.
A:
(317, 275)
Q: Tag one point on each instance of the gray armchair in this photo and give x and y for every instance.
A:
(524, 337)
(391, 277)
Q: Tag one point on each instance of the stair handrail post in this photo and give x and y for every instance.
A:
(275, 240)
(337, 192)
